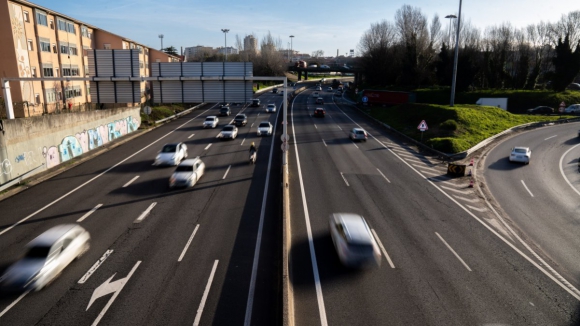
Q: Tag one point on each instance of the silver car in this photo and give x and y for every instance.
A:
(211, 121)
(358, 134)
(353, 240)
(229, 132)
(271, 107)
(171, 154)
(520, 154)
(47, 256)
(265, 128)
(187, 173)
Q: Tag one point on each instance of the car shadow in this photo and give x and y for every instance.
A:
(504, 164)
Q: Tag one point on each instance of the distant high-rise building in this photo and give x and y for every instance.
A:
(250, 43)
(197, 53)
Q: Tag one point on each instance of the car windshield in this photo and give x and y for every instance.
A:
(360, 247)
(359, 132)
(519, 150)
(184, 168)
(271, 105)
(240, 117)
(169, 148)
(264, 125)
(228, 128)
(38, 252)
(209, 119)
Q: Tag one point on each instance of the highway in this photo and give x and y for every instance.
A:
(203, 255)
(542, 198)
(443, 261)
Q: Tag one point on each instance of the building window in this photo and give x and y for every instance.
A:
(30, 47)
(107, 46)
(74, 91)
(26, 16)
(50, 95)
(70, 71)
(64, 48)
(37, 98)
(86, 69)
(66, 26)
(41, 18)
(140, 64)
(72, 49)
(44, 45)
(47, 71)
(54, 48)
(52, 24)
(85, 32)
(33, 71)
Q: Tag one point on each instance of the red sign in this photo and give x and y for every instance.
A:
(423, 126)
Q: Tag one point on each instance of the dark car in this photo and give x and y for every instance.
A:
(274, 90)
(241, 120)
(574, 86)
(319, 100)
(256, 102)
(319, 112)
(541, 110)
(225, 110)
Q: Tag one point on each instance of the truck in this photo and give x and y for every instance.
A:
(500, 102)
(381, 97)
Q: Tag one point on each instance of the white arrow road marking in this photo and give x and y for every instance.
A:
(343, 178)
(527, 188)
(14, 303)
(467, 199)
(477, 209)
(383, 176)
(130, 182)
(107, 288)
(205, 293)
(453, 251)
(145, 213)
(89, 213)
(208, 146)
(383, 249)
(96, 265)
(188, 243)
(228, 170)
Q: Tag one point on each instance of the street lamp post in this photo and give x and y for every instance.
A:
(451, 17)
(456, 55)
(225, 30)
(161, 37)
(291, 49)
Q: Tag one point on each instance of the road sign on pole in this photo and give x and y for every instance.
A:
(284, 138)
(562, 106)
(423, 126)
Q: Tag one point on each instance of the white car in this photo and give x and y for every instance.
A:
(271, 107)
(47, 256)
(358, 134)
(187, 173)
(265, 128)
(229, 131)
(353, 240)
(211, 121)
(520, 154)
(319, 88)
(574, 108)
(171, 154)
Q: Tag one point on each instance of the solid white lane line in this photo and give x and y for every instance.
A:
(208, 146)
(343, 178)
(99, 175)
(339, 127)
(383, 176)
(145, 213)
(89, 213)
(324, 143)
(130, 182)
(250, 303)
(205, 294)
(126, 280)
(354, 144)
(483, 209)
(453, 251)
(252, 125)
(96, 265)
(383, 249)
(527, 188)
(243, 140)
(13, 303)
(315, 126)
(188, 243)
(228, 170)
(317, 285)
(551, 137)
(190, 136)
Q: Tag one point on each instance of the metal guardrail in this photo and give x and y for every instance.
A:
(177, 115)
(18, 180)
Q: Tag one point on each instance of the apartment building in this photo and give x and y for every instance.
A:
(39, 42)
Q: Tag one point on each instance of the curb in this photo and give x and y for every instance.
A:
(287, 289)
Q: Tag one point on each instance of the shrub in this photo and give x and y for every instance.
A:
(160, 112)
(448, 144)
(449, 125)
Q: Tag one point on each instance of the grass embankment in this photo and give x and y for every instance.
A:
(452, 129)
(163, 111)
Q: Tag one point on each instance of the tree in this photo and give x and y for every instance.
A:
(170, 50)
(318, 53)
(566, 64)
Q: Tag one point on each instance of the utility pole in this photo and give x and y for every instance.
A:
(225, 30)
(456, 55)
(161, 37)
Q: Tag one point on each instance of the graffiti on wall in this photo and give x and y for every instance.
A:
(82, 142)
(26, 157)
(6, 167)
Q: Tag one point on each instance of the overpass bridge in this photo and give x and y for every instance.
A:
(304, 71)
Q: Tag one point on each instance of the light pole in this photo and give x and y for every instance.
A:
(291, 49)
(226, 42)
(451, 17)
(456, 55)
(161, 37)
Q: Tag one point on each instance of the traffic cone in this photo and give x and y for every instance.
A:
(471, 162)
(471, 183)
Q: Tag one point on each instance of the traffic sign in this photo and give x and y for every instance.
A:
(365, 99)
(284, 137)
(147, 110)
(423, 126)
(563, 105)
(284, 147)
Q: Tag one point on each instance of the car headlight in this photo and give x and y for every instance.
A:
(172, 180)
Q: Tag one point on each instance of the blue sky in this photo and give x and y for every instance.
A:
(316, 25)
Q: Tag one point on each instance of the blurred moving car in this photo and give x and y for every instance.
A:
(225, 110)
(229, 132)
(329, 89)
(187, 173)
(275, 90)
(211, 122)
(256, 102)
(319, 100)
(171, 154)
(574, 108)
(353, 240)
(319, 112)
(47, 256)
(271, 107)
(241, 119)
(541, 110)
(265, 128)
(520, 154)
(358, 134)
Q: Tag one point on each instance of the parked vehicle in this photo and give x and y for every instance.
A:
(187, 173)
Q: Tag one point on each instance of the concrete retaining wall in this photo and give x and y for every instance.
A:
(53, 139)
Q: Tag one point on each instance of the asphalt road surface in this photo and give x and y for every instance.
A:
(202, 255)
(443, 263)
